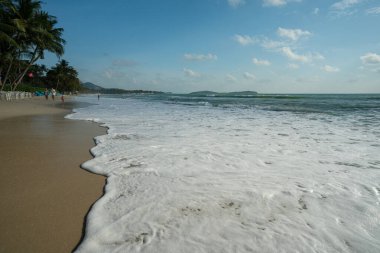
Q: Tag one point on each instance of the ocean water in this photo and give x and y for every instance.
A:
(268, 173)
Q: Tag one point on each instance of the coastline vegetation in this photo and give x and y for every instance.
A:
(91, 88)
(26, 33)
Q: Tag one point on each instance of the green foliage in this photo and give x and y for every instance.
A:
(38, 78)
(64, 77)
(26, 32)
(28, 88)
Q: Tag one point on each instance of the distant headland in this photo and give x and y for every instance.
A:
(89, 87)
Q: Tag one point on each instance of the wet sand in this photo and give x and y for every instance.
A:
(44, 194)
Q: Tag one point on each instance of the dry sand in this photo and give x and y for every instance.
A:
(44, 194)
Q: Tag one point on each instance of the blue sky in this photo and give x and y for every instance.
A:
(269, 46)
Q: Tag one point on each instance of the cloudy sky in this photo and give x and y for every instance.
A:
(269, 46)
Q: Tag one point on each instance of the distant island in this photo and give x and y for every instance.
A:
(224, 94)
(89, 87)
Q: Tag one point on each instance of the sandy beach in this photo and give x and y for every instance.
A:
(44, 194)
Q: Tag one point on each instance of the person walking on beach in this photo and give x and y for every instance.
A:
(46, 93)
(53, 93)
(98, 96)
(63, 97)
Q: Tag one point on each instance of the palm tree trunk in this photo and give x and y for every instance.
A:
(1, 80)
(21, 76)
(7, 74)
(57, 84)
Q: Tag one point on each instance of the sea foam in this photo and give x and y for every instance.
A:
(229, 179)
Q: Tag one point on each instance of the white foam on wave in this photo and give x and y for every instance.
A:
(205, 179)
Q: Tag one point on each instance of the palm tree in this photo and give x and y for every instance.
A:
(8, 44)
(35, 33)
(64, 75)
(41, 35)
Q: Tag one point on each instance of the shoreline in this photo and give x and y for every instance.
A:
(45, 194)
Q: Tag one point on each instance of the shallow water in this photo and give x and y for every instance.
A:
(286, 173)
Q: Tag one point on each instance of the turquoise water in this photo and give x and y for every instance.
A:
(301, 103)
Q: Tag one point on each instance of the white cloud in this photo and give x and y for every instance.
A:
(108, 74)
(260, 62)
(288, 52)
(249, 76)
(200, 57)
(344, 4)
(245, 39)
(374, 10)
(274, 2)
(293, 34)
(278, 3)
(316, 56)
(272, 44)
(231, 78)
(293, 56)
(316, 11)
(293, 66)
(263, 41)
(191, 73)
(330, 69)
(286, 45)
(236, 3)
(370, 58)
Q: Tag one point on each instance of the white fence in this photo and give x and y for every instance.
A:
(11, 95)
